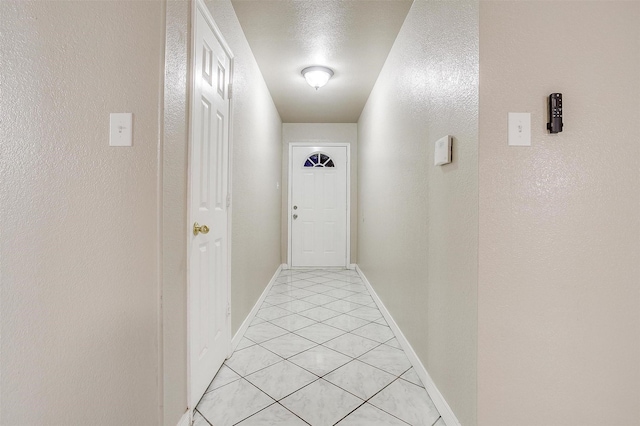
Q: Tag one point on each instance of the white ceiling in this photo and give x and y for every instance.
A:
(352, 37)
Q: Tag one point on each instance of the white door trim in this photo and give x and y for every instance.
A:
(319, 144)
(199, 6)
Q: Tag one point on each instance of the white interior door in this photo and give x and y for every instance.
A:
(319, 206)
(209, 331)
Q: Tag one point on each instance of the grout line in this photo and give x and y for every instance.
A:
(278, 402)
(202, 415)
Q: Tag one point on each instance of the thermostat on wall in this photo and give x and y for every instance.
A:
(442, 155)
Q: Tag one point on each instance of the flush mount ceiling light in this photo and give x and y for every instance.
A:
(317, 76)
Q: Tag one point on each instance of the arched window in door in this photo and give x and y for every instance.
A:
(318, 159)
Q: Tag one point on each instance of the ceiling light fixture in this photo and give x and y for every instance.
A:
(317, 76)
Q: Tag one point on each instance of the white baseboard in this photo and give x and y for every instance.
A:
(437, 398)
(245, 324)
(352, 266)
(185, 420)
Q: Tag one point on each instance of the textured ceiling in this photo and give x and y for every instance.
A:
(352, 37)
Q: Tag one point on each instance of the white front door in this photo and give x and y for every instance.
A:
(319, 206)
(209, 330)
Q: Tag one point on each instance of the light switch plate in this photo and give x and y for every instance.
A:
(442, 154)
(120, 129)
(519, 129)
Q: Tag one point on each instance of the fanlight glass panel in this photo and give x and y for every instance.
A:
(317, 159)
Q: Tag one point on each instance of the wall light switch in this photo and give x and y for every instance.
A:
(519, 129)
(120, 129)
(442, 154)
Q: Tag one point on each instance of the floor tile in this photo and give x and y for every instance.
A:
(273, 415)
(339, 293)
(319, 321)
(346, 322)
(381, 321)
(288, 345)
(360, 298)
(319, 299)
(351, 345)
(282, 288)
(335, 283)
(319, 313)
(408, 402)
(412, 377)
(277, 298)
(297, 293)
(393, 343)
(272, 312)
(319, 279)
(368, 415)
(320, 360)
(198, 420)
(366, 313)
(297, 306)
(319, 333)
(389, 359)
(251, 359)
(265, 331)
(257, 320)
(343, 306)
(224, 376)
(281, 379)
(303, 275)
(244, 343)
(321, 403)
(373, 331)
(229, 404)
(319, 288)
(360, 379)
(302, 284)
(358, 288)
(293, 322)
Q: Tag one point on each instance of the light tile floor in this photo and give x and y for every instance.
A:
(317, 353)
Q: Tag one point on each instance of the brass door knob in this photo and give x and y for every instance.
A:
(197, 229)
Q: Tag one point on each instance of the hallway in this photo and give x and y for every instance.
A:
(318, 352)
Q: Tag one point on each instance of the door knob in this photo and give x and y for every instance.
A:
(295, 216)
(204, 229)
(295, 207)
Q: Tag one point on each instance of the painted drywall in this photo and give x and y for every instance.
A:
(256, 168)
(79, 222)
(321, 133)
(174, 212)
(417, 223)
(559, 278)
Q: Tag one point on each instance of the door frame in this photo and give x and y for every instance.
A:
(319, 145)
(199, 6)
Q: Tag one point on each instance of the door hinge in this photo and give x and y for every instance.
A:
(228, 309)
(228, 199)
(230, 90)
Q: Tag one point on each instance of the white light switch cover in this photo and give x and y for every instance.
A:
(120, 129)
(442, 153)
(519, 129)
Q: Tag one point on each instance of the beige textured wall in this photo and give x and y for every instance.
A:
(79, 222)
(559, 279)
(257, 135)
(417, 230)
(174, 212)
(320, 132)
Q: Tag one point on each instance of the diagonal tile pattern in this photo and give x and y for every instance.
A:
(320, 353)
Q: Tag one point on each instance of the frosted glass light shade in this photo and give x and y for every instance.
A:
(317, 76)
